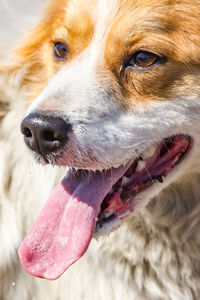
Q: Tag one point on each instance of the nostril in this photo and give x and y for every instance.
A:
(27, 133)
(49, 136)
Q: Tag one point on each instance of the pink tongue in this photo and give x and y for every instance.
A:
(62, 232)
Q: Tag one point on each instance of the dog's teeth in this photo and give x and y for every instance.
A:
(125, 180)
(140, 166)
(111, 191)
(107, 214)
(149, 152)
(160, 179)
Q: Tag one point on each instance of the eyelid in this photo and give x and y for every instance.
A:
(58, 40)
(160, 58)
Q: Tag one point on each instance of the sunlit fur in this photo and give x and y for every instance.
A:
(117, 113)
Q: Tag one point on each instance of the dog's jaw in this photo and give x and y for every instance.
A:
(63, 231)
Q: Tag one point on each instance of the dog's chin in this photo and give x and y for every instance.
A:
(143, 177)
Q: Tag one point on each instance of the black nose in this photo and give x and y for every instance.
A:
(45, 134)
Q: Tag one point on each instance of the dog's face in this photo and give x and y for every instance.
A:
(115, 88)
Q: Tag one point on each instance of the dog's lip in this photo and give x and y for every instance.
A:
(63, 230)
(121, 201)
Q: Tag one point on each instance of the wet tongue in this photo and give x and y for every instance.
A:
(62, 232)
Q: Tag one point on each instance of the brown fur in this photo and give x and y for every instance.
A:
(155, 253)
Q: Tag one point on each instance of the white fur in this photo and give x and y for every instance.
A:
(155, 253)
(82, 94)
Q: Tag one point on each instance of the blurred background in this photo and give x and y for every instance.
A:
(16, 17)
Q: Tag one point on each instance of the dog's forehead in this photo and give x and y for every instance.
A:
(91, 20)
(139, 14)
(102, 34)
(121, 23)
(121, 18)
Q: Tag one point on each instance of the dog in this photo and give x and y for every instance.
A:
(107, 92)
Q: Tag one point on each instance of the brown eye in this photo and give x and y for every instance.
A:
(143, 59)
(60, 51)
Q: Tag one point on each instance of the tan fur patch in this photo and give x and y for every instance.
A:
(164, 28)
(59, 24)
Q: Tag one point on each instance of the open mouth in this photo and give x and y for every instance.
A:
(143, 173)
(86, 202)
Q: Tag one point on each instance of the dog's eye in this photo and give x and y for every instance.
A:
(60, 51)
(143, 59)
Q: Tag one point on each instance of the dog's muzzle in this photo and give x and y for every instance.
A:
(45, 134)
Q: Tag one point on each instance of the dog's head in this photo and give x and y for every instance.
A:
(115, 92)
